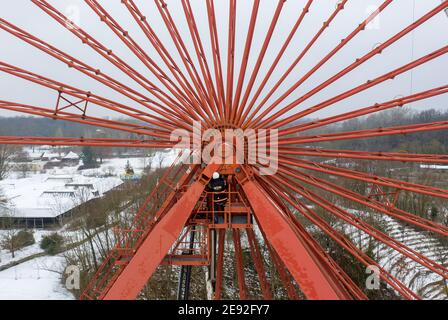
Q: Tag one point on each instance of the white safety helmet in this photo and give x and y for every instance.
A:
(216, 175)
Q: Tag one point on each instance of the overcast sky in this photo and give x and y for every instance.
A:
(431, 36)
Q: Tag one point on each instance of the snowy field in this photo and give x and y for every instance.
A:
(37, 279)
(41, 278)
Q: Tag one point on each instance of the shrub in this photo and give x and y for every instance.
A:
(23, 239)
(52, 244)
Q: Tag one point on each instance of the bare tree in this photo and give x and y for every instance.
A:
(7, 154)
(9, 237)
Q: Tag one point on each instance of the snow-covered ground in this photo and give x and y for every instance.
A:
(433, 166)
(421, 280)
(58, 190)
(37, 279)
(41, 278)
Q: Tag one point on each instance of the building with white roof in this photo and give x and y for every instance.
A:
(44, 199)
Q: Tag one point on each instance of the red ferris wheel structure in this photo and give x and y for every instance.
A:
(203, 83)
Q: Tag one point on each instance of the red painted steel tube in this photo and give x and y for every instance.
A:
(368, 133)
(300, 259)
(84, 119)
(399, 102)
(258, 263)
(246, 54)
(239, 264)
(81, 66)
(365, 155)
(348, 69)
(220, 263)
(185, 56)
(339, 8)
(356, 175)
(333, 269)
(304, 12)
(156, 245)
(312, 216)
(89, 96)
(108, 54)
(184, 100)
(202, 59)
(93, 142)
(402, 215)
(170, 63)
(378, 235)
(230, 57)
(216, 54)
(237, 112)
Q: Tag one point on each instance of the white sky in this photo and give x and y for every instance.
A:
(431, 36)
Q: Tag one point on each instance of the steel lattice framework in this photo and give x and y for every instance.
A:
(194, 84)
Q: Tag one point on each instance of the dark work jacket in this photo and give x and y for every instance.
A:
(218, 186)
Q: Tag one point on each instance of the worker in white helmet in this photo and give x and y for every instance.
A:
(218, 186)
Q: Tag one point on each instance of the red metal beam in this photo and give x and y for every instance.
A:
(258, 263)
(376, 234)
(186, 58)
(279, 185)
(246, 54)
(170, 123)
(184, 98)
(365, 155)
(366, 201)
(93, 142)
(357, 63)
(357, 175)
(84, 119)
(156, 245)
(239, 264)
(108, 54)
(81, 66)
(368, 133)
(215, 107)
(314, 277)
(244, 118)
(237, 112)
(220, 263)
(339, 7)
(170, 63)
(395, 103)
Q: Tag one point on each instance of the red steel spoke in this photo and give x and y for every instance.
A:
(258, 263)
(399, 102)
(357, 63)
(356, 175)
(378, 235)
(80, 66)
(366, 201)
(203, 63)
(291, 35)
(183, 100)
(339, 7)
(368, 133)
(230, 57)
(365, 155)
(142, 21)
(246, 54)
(93, 142)
(214, 39)
(185, 56)
(236, 117)
(336, 236)
(84, 119)
(109, 55)
(239, 264)
(88, 96)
